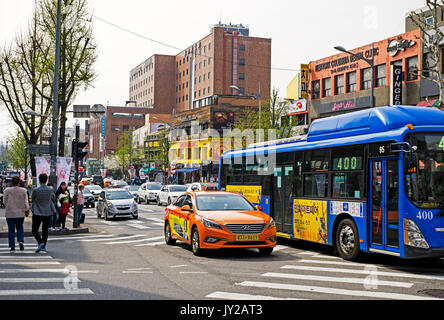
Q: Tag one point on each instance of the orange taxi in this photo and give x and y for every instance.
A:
(217, 219)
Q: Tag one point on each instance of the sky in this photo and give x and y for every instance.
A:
(301, 31)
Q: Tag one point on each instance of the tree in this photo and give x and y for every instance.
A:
(274, 116)
(77, 51)
(17, 151)
(431, 38)
(24, 80)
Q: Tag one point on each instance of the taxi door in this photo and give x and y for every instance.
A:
(179, 219)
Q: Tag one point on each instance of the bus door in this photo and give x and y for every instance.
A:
(383, 206)
(283, 198)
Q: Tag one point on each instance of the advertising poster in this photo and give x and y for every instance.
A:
(310, 220)
(42, 165)
(63, 170)
(251, 193)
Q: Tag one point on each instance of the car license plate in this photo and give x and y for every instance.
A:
(247, 237)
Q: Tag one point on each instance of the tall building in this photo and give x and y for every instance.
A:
(227, 56)
(152, 84)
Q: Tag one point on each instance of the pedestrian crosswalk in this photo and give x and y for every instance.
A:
(317, 276)
(138, 240)
(26, 273)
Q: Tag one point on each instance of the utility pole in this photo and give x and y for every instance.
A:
(76, 175)
(55, 107)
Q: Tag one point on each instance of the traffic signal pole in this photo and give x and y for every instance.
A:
(76, 176)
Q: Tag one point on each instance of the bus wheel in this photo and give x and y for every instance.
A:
(347, 240)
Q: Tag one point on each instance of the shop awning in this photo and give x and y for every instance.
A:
(186, 170)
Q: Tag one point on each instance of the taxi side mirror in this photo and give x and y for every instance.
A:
(259, 208)
(186, 208)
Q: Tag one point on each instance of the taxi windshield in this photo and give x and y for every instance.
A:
(425, 170)
(218, 202)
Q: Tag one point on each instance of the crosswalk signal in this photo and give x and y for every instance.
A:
(80, 154)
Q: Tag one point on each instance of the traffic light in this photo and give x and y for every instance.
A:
(80, 154)
(77, 149)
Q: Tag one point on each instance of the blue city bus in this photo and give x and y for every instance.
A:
(366, 181)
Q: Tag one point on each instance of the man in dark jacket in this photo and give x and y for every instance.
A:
(43, 199)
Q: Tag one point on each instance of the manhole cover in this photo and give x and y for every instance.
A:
(437, 293)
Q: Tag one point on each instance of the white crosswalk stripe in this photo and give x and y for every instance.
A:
(335, 277)
(66, 284)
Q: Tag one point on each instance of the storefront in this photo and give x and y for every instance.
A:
(342, 83)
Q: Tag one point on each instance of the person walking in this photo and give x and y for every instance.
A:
(55, 216)
(17, 206)
(80, 204)
(42, 208)
(64, 198)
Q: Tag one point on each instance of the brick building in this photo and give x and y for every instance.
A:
(342, 83)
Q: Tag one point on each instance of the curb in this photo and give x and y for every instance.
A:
(52, 233)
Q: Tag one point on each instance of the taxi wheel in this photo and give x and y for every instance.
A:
(265, 251)
(168, 239)
(195, 242)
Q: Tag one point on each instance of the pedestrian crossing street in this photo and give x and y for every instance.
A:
(26, 273)
(317, 276)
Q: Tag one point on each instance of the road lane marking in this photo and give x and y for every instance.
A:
(363, 271)
(120, 238)
(156, 220)
(337, 279)
(132, 241)
(242, 296)
(17, 256)
(336, 291)
(29, 262)
(193, 272)
(28, 292)
(81, 237)
(35, 280)
(44, 271)
(179, 266)
(150, 244)
(138, 226)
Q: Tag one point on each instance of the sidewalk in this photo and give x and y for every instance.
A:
(28, 227)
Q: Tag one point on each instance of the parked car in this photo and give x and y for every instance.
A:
(133, 189)
(214, 220)
(169, 193)
(95, 190)
(197, 186)
(148, 192)
(118, 184)
(116, 202)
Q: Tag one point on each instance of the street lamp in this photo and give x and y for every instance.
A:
(256, 95)
(33, 113)
(371, 62)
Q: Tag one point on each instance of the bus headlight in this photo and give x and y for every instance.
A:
(413, 235)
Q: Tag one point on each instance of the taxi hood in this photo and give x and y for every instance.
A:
(233, 216)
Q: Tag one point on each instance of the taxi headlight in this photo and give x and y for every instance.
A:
(210, 224)
(271, 224)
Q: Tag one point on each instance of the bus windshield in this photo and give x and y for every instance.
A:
(425, 170)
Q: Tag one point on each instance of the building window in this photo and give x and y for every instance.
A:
(241, 76)
(316, 89)
(366, 76)
(412, 68)
(351, 81)
(326, 87)
(242, 47)
(427, 64)
(381, 75)
(429, 20)
(241, 62)
(339, 84)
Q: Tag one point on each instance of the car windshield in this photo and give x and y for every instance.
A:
(219, 202)
(118, 195)
(133, 188)
(93, 187)
(120, 183)
(178, 188)
(425, 170)
(86, 192)
(153, 187)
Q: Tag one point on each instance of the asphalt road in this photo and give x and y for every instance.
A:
(128, 260)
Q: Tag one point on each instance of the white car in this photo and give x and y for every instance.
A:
(169, 193)
(133, 189)
(95, 190)
(148, 192)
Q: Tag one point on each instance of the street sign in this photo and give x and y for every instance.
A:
(97, 111)
(38, 148)
(81, 111)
